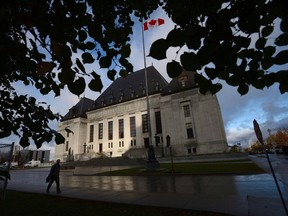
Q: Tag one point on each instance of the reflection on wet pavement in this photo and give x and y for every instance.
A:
(261, 185)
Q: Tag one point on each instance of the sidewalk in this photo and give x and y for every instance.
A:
(234, 195)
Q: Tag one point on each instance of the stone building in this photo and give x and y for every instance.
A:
(116, 123)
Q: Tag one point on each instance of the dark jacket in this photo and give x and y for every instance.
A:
(55, 170)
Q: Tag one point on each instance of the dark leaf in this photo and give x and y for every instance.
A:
(284, 25)
(175, 38)
(111, 74)
(234, 80)
(282, 40)
(267, 30)
(269, 79)
(214, 88)
(212, 73)
(45, 90)
(129, 67)
(80, 65)
(282, 57)
(259, 84)
(67, 75)
(125, 51)
(193, 43)
(59, 139)
(90, 45)
(174, 69)
(266, 63)
(260, 43)
(82, 35)
(243, 89)
(269, 51)
(77, 87)
(123, 73)
(105, 62)
(96, 84)
(282, 78)
(283, 87)
(24, 142)
(87, 58)
(45, 67)
(204, 84)
(190, 61)
(224, 56)
(158, 49)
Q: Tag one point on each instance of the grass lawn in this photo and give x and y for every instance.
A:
(196, 168)
(22, 204)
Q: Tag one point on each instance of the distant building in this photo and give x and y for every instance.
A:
(116, 123)
(26, 155)
(39, 155)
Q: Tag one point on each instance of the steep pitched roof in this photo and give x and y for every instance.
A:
(131, 87)
(186, 80)
(79, 110)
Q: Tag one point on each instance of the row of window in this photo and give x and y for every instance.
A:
(121, 127)
(91, 147)
(132, 121)
(132, 94)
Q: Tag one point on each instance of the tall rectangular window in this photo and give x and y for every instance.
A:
(91, 134)
(121, 128)
(100, 131)
(133, 142)
(189, 130)
(132, 127)
(158, 122)
(67, 145)
(110, 130)
(144, 123)
(186, 109)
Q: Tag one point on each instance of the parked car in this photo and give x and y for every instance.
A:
(32, 164)
(5, 164)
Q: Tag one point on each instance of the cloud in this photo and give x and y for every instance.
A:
(267, 106)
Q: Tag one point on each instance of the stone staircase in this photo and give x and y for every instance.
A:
(105, 161)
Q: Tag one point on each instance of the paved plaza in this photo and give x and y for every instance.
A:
(232, 194)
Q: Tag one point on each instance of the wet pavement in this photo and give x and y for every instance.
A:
(231, 194)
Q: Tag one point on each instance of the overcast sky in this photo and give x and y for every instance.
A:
(267, 106)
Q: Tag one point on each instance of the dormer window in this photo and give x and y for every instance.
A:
(183, 81)
(132, 93)
(157, 86)
(111, 98)
(121, 96)
(103, 101)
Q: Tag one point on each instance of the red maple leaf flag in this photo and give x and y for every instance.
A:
(152, 23)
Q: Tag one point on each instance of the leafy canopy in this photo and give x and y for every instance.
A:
(49, 43)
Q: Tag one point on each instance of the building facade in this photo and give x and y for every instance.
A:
(182, 121)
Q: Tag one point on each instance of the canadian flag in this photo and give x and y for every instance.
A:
(152, 23)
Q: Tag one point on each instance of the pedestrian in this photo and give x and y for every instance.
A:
(54, 176)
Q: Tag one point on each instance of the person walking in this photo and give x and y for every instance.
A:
(54, 176)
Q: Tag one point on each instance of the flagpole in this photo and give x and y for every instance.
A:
(146, 86)
(151, 154)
